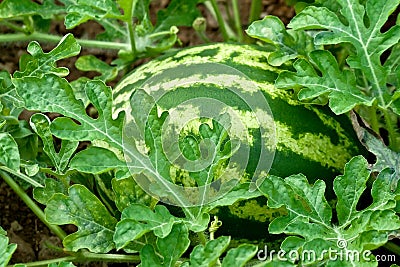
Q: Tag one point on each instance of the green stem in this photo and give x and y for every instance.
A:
(13, 26)
(32, 205)
(47, 262)
(22, 176)
(255, 10)
(226, 31)
(374, 119)
(202, 238)
(85, 257)
(131, 29)
(236, 17)
(391, 130)
(392, 247)
(203, 37)
(44, 37)
(89, 256)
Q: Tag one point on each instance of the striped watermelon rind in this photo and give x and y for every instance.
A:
(310, 139)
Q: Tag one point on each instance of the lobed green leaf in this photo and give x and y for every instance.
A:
(169, 249)
(9, 155)
(6, 250)
(40, 123)
(39, 63)
(340, 86)
(83, 209)
(309, 215)
(288, 44)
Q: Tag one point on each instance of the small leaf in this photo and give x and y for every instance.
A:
(6, 250)
(349, 187)
(208, 255)
(136, 220)
(169, 248)
(340, 86)
(83, 209)
(288, 44)
(174, 245)
(40, 63)
(239, 192)
(84, 10)
(12, 9)
(41, 125)
(240, 255)
(51, 187)
(96, 160)
(138, 9)
(128, 192)
(385, 157)
(178, 13)
(92, 63)
(9, 99)
(9, 154)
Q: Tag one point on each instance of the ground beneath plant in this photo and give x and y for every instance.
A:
(35, 241)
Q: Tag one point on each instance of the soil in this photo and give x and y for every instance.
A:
(35, 241)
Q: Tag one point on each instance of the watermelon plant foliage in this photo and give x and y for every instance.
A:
(354, 76)
(332, 52)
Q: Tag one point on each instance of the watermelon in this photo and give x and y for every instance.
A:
(309, 139)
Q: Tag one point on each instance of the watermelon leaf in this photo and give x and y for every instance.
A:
(82, 11)
(10, 157)
(240, 255)
(310, 215)
(92, 63)
(208, 254)
(6, 249)
(128, 192)
(83, 209)
(288, 44)
(385, 157)
(10, 101)
(40, 123)
(367, 39)
(137, 219)
(346, 60)
(39, 63)
(340, 86)
(51, 187)
(168, 249)
(178, 13)
(10, 9)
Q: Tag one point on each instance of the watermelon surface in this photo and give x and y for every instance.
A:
(309, 139)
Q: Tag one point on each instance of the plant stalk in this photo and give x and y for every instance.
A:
(255, 10)
(44, 37)
(22, 176)
(85, 257)
(32, 205)
(13, 26)
(392, 247)
(391, 130)
(131, 29)
(202, 238)
(236, 17)
(226, 31)
(374, 119)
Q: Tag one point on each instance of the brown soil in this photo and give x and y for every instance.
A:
(35, 241)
